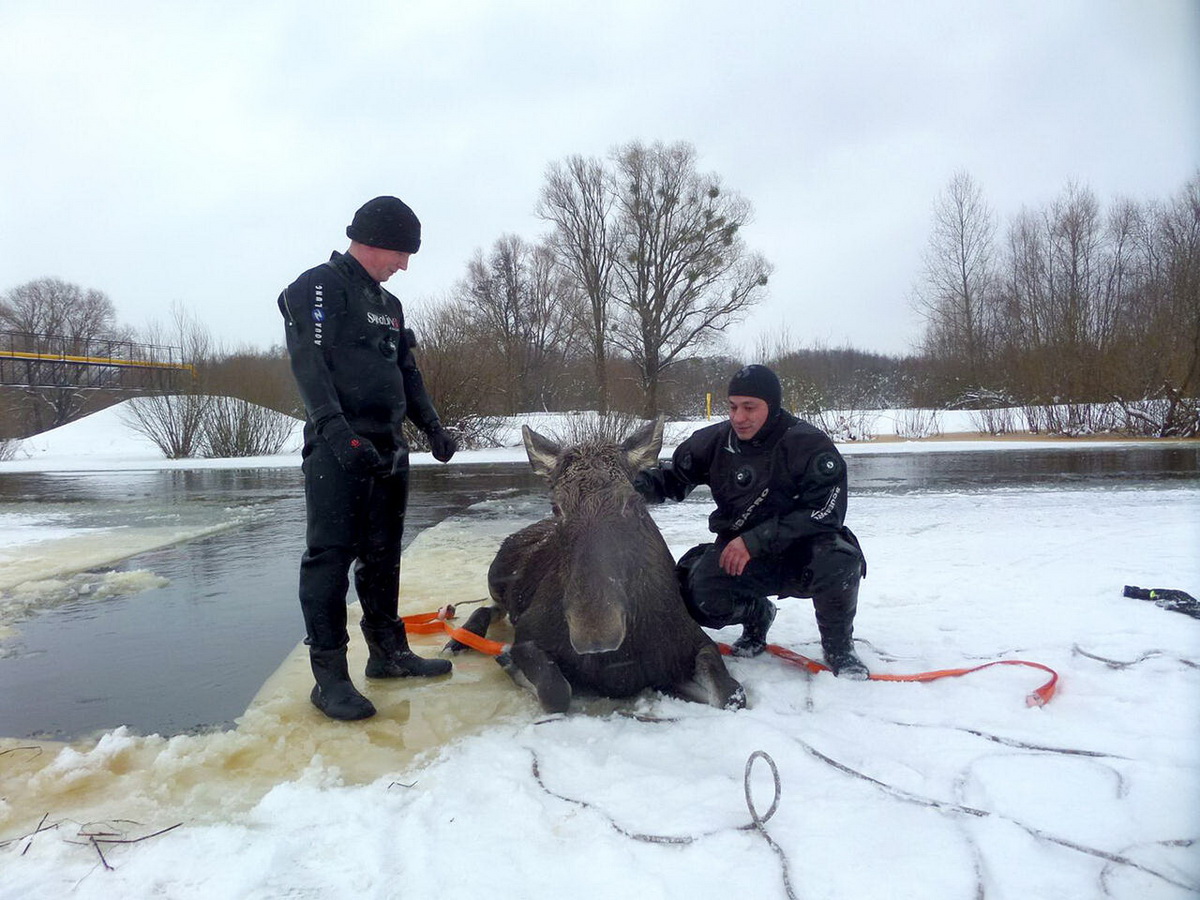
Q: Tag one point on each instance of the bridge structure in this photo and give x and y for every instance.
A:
(40, 361)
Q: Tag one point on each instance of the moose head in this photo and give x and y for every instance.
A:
(601, 521)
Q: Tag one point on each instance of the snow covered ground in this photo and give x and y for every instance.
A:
(949, 789)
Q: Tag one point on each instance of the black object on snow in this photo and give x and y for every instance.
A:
(1167, 598)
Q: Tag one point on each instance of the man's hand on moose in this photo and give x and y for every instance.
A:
(735, 556)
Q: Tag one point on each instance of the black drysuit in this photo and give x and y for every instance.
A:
(354, 367)
(784, 493)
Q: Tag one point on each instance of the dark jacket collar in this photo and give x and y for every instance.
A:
(773, 429)
(352, 269)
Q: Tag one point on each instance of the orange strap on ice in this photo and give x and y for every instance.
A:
(432, 623)
(1039, 697)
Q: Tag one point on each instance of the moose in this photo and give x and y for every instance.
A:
(591, 591)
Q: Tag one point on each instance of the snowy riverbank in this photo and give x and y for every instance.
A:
(105, 441)
(888, 790)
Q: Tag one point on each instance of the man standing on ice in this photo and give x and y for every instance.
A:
(358, 380)
(780, 488)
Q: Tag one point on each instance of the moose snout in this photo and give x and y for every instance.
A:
(596, 630)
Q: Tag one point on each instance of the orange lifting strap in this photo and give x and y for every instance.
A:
(1039, 697)
(431, 623)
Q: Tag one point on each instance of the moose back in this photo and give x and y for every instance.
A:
(591, 591)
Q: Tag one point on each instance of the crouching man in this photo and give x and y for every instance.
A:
(780, 488)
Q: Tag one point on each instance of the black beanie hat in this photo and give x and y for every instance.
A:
(760, 382)
(388, 223)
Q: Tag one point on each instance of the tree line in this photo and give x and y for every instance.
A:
(622, 304)
(1069, 307)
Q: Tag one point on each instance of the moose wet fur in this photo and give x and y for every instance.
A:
(591, 591)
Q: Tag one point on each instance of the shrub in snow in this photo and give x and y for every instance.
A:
(1169, 416)
(233, 427)
(994, 421)
(918, 423)
(174, 422)
(844, 424)
(471, 432)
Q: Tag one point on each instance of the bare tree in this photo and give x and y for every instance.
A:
(655, 250)
(173, 417)
(53, 306)
(459, 372)
(1179, 238)
(578, 199)
(1172, 311)
(1058, 306)
(682, 271)
(524, 309)
(956, 296)
(57, 317)
(1115, 314)
(1074, 230)
(1025, 328)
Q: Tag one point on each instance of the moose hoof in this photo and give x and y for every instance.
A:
(543, 676)
(736, 700)
(711, 682)
(477, 623)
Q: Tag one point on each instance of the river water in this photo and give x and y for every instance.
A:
(179, 638)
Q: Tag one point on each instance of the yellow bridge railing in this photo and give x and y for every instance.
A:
(32, 360)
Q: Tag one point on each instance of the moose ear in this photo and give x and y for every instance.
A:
(642, 447)
(543, 452)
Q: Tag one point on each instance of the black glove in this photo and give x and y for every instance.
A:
(646, 485)
(355, 454)
(442, 443)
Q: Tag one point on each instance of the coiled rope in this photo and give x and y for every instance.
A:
(761, 821)
(757, 822)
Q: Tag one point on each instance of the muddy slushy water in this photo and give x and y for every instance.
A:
(208, 775)
(180, 637)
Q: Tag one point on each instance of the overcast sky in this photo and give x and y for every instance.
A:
(207, 152)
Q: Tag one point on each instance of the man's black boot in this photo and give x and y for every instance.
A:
(756, 621)
(841, 658)
(390, 657)
(334, 693)
(835, 620)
